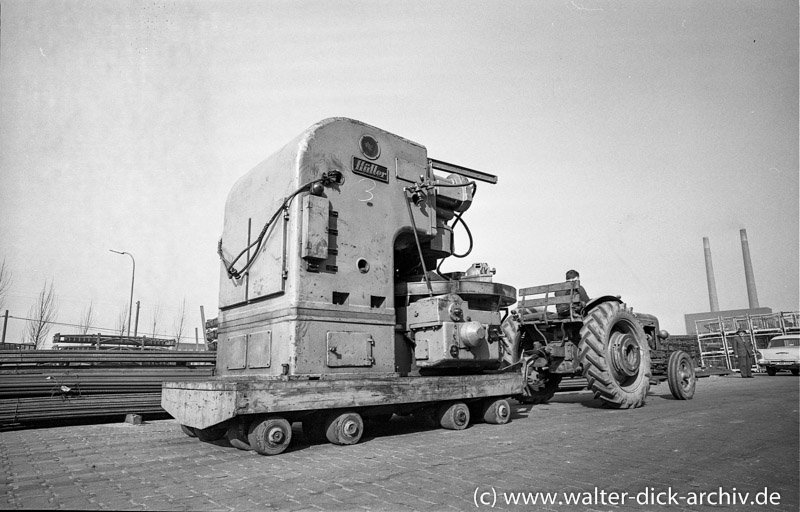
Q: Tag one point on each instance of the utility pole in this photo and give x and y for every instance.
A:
(5, 323)
(136, 324)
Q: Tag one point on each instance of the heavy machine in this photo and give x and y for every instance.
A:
(333, 310)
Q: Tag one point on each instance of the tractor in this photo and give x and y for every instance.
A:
(619, 352)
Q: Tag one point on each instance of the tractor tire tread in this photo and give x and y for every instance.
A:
(592, 349)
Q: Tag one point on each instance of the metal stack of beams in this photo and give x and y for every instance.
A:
(47, 385)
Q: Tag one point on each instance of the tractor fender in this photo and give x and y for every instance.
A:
(600, 300)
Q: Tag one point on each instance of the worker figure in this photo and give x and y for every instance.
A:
(743, 348)
(563, 310)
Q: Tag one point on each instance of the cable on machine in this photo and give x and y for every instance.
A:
(315, 186)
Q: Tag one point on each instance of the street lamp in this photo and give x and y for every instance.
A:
(133, 276)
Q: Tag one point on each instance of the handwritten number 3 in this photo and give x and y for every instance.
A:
(369, 190)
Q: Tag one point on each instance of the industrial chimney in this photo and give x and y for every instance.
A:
(752, 296)
(712, 284)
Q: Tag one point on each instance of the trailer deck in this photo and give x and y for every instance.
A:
(205, 404)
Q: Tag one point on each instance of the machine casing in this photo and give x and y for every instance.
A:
(319, 297)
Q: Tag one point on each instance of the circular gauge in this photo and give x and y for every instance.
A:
(369, 147)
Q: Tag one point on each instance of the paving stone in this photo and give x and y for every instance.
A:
(569, 445)
(38, 502)
(74, 503)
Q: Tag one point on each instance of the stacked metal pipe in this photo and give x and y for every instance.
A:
(51, 385)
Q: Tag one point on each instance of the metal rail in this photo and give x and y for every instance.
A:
(108, 341)
(39, 385)
(67, 384)
(23, 410)
(103, 356)
(463, 171)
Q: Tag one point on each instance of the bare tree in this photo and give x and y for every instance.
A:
(122, 320)
(41, 315)
(87, 317)
(180, 323)
(5, 283)
(156, 318)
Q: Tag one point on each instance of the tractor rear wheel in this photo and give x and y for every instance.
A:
(615, 356)
(680, 375)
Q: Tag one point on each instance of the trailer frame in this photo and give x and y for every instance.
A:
(203, 405)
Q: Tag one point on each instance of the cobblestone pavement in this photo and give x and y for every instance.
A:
(736, 436)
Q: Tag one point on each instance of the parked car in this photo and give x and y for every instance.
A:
(782, 353)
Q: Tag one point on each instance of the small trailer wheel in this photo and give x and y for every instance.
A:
(497, 412)
(453, 416)
(237, 435)
(270, 436)
(189, 431)
(210, 434)
(344, 428)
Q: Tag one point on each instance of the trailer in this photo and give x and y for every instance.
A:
(258, 413)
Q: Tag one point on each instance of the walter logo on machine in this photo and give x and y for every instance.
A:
(370, 170)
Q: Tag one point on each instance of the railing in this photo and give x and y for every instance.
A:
(790, 321)
(780, 323)
(713, 334)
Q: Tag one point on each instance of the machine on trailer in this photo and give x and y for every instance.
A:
(330, 307)
(333, 310)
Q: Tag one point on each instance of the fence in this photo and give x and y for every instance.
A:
(714, 335)
(14, 337)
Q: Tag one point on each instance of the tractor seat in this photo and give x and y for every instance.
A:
(563, 296)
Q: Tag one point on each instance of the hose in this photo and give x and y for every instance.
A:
(229, 265)
(469, 235)
(456, 221)
(416, 239)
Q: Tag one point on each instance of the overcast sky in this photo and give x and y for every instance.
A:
(622, 132)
